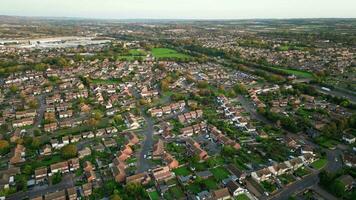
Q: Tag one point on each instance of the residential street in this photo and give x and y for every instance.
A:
(143, 163)
(67, 182)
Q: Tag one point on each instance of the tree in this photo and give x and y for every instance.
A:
(36, 143)
(115, 197)
(69, 151)
(33, 104)
(228, 151)
(135, 190)
(4, 147)
(57, 178)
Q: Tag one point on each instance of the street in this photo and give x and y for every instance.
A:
(67, 182)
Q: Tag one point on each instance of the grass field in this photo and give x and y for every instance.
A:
(298, 73)
(137, 52)
(220, 173)
(108, 81)
(164, 53)
(302, 172)
(286, 179)
(154, 195)
(319, 164)
(182, 171)
(134, 54)
(242, 197)
(326, 142)
(174, 193)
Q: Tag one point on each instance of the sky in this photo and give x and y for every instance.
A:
(181, 9)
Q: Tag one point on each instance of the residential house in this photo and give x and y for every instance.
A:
(84, 152)
(261, 175)
(18, 155)
(195, 149)
(61, 167)
(73, 164)
(87, 189)
(221, 194)
(350, 139)
(59, 195)
(72, 193)
(40, 174)
(141, 178)
(234, 188)
(158, 149)
(162, 174)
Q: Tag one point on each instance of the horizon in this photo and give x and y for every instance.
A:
(180, 10)
(176, 19)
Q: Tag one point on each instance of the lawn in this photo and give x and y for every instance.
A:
(242, 197)
(182, 171)
(211, 184)
(220, 173)
(153, 195)
(295, 72)
(174, 193)
(326, 142)
(269, 187)
(319, 164)
(137, 52)
(286, 179)
(301, 172)
(194, 188)
(164, 53)
(108, 81)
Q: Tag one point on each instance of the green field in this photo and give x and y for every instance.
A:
(133, 54)
(319, 164)
(154, 195)
(174, 193)
(182, 171)
(164, 53)
(220, 173)
(302, 172)
(242, 197)
(137, 52)
(298, 73)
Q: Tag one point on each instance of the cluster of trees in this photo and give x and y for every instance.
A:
(330, 182)
(336, 128)
(286, 122)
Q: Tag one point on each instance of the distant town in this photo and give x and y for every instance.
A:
(198, 110)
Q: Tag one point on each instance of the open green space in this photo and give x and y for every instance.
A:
(153, 195)
(174, 193)
(220, 173)
(182, 171)
(286, 178)
(326, 142)
(211, 184)
(301, 172)
(268, 186)
(299, 73)
(242, 197)
(319, 164)
(105, 81)
(164, 53)
(137, 52)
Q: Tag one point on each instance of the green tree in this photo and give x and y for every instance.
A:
(69, 151)
(4, 147)
(57, 178)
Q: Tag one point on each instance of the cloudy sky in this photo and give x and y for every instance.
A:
(181, 9)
